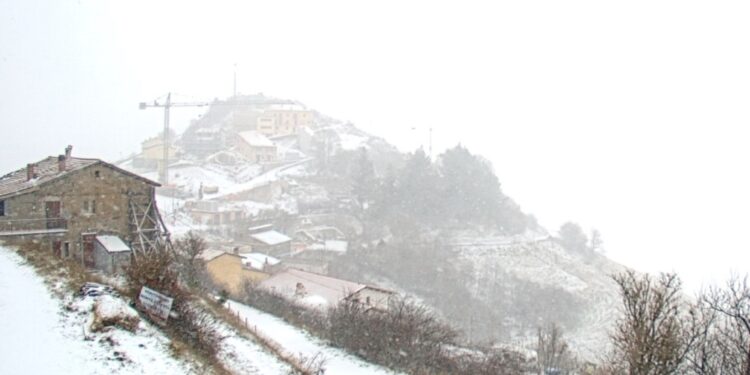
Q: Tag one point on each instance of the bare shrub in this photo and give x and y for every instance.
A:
(276, 304)
(159, 270)
(312, 365)
(489, 361)
(198, 327)
(552, 350)
(406, 336)
(156, 270)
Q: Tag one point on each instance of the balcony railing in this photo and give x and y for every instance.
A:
(27, 225)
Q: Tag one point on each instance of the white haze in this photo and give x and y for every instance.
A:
(629, 117)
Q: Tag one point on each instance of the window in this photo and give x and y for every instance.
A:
(89, 206)
(97, 175)
(2, 208)
(66, 249)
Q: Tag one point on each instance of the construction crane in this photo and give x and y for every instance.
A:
(164, 170)
(168, 103)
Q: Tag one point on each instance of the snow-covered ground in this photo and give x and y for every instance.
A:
(42, 334)
(242, 355)
(299, 342)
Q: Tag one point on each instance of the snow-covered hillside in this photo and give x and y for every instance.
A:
(540, 260)
(520, 282)
(42, 334)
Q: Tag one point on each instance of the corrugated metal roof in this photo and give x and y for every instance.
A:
(112, 244)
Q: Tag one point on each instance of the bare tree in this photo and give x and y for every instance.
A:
(729, 333)
(657, 329)
(552, 350)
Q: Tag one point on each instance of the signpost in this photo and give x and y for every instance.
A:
(156, 304)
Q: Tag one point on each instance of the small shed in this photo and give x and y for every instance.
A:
(111, 254)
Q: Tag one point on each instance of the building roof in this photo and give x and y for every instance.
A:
(112, 244)
(330, 245)
(271, 237)
(255, 139)
(210, 254)
(258, 261)
(47, 170)
(330, 289)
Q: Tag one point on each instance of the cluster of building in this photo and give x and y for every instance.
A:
(251, 129)
(235, 271)
(95, 213)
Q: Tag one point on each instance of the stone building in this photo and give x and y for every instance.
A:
(256, 147)
(65, 202)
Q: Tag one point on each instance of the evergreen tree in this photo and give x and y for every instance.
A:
(364, 182)
(572, 237)
(416, 188)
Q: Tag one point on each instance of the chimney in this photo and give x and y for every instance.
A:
(61, 163)
(29, 171)
(236, 250)
(68, 151)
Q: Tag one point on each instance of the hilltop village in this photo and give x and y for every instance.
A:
(275, 205)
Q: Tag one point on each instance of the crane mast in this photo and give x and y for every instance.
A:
(168, 103)
(164, 168)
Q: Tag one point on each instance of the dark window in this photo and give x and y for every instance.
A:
(85, 206)
(93, 206)
(66, 249)
(96, 174)
(2, 208)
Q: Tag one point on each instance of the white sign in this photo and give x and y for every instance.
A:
(156, 303)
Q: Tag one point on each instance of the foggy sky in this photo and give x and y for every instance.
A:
(629, 117)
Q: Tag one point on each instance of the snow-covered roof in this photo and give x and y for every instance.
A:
(256, 139)
(258, 261)
(210, 254)
(112, 244)
(330, 245)
(318, 287)
(271, 237)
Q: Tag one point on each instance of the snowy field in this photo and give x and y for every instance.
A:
(299, 342)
